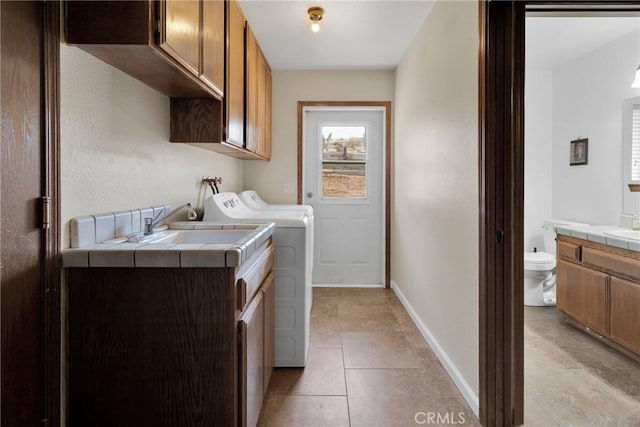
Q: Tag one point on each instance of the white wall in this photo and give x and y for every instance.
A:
(588, 96)
(115, 149)
(435, 257)
(538, 151)
(276, 181)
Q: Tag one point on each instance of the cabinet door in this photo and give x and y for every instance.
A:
(261, 102)
(213, 43)
(252, 91)
(582, 294)
(267, 125)
(180, 32)
(234, 91)
(625, 313)
(252, 361)
(269, 291)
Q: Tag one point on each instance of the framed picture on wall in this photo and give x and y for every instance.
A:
(579, 152)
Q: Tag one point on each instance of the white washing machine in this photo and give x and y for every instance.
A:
(293, 264)
(253, 200)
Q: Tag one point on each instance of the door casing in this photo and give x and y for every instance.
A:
(386, 167)
(501, 205)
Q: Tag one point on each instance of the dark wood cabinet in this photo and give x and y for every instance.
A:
(599, 286)
(234, 91)
(159, 43)
(213, 43)
(269, 290)
(252, 340)
(258, 85)
(625, 313)
(169, 346)
(179, 22)
(582, 293)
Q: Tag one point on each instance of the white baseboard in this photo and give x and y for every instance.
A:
(344, 285)
(449, 366)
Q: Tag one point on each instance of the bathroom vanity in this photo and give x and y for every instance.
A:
(152, 342)
(598, 285)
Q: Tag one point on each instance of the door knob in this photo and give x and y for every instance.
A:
(309, 194)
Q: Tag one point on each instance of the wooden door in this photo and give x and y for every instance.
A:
(252, 361)
(180, 32)
(625, 313)
(582, 294)
(21, 238)
(252, 92)
(234, 90)
(269, 291)
(213, 44)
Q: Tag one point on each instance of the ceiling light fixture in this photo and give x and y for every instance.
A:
(636, 82)
(315, 15)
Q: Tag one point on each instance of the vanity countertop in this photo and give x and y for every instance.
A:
(598, 234)
(173, 255)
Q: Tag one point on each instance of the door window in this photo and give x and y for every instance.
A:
(344, 161)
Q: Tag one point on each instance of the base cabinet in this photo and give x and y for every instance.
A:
(582, 293)
(599, 286)
(625, 313)
(169, 346)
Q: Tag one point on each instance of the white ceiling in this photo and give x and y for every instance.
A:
(356, 34)
(551, 41)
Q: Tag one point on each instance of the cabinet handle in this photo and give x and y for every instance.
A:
(241, 294)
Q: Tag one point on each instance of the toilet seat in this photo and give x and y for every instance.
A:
(539, 261)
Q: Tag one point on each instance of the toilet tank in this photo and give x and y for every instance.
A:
(549, 232)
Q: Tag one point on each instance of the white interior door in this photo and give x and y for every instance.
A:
(343, 180)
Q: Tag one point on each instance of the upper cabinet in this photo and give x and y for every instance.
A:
(213, 39)
(258, 84)
(234, 99)
(159, 43)
(200, 53)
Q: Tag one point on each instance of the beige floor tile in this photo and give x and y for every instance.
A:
(395, 397)
(536, 416)
(322, 376)
(325, 332)
(378, 350)
(304, 411)
(364, 310)
(324, 307)
(327, 292)
(387, 324)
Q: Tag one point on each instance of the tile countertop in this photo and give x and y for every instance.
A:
(596, 233)
(182, 255)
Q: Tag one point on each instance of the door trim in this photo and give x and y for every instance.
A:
(51, 188)
(386, 105)
(501, 205)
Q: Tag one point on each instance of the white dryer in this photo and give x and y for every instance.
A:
(253, 200)
(293, 264)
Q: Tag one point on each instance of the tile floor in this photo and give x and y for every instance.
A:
(572, 379)
(368, 365)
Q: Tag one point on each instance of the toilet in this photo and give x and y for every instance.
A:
(540, 267)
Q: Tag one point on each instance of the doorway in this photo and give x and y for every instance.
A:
(343, 172)
(502, 64)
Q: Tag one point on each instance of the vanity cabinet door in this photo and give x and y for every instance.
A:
(582, 294)
(625, 313)
(252, 361)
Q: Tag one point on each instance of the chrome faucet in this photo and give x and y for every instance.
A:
(150, 223)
